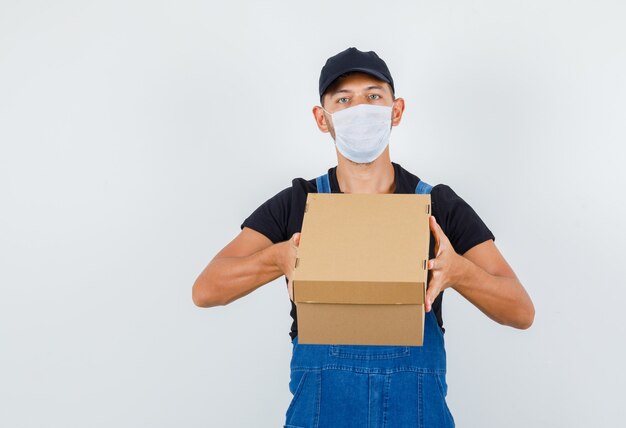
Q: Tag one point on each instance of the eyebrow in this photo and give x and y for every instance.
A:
(348, 91)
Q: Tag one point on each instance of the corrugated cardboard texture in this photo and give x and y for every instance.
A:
(361, 269)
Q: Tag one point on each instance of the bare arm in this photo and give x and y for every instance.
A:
(246, 263)
(491, 285)
(483, 277)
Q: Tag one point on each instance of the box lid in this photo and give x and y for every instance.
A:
(363, 249)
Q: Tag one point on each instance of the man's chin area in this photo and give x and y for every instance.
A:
(350, 161)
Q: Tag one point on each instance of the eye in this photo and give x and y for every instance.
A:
(374, 96)
(342, 100)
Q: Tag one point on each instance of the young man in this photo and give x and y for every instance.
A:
(368, 386)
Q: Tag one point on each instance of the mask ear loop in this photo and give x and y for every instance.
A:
(326, 111)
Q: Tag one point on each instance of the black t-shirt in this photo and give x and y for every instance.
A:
(281, 216)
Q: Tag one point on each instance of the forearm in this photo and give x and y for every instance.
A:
(226, 279)
(501, 298)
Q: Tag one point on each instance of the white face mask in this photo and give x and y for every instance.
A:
(362, 132)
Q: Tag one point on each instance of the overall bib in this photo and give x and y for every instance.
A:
(366, 386)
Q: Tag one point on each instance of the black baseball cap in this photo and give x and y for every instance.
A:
(353, 59)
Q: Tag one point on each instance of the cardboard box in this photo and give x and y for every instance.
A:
(360, 276)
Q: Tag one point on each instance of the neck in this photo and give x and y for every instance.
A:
(375, 177)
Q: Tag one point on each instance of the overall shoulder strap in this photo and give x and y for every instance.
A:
(323, 184)
(423, 188)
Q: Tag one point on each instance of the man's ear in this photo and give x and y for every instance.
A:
(398, 109)
(320, 119)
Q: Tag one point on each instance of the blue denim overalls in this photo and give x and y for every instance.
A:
(370, 386)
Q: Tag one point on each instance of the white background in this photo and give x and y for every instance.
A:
(136, 136)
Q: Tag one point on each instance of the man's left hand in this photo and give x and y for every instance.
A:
(446, 268)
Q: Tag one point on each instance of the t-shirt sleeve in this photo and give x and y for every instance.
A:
(272, 216)
(463, 227)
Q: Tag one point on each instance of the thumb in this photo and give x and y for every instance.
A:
(296, 238)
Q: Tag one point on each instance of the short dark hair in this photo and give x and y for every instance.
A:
(337, 81)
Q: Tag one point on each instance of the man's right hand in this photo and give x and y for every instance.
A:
(286, 259)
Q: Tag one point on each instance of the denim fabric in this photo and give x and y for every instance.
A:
(323, 184)
(370, 386)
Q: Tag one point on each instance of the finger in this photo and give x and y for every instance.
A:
(434, 264)
(431, 294)
(296, 238)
